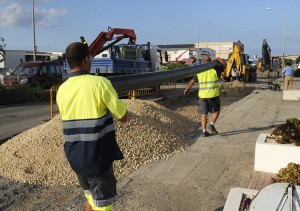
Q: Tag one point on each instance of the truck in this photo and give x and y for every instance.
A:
(130, 58)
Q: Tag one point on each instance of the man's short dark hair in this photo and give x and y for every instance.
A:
(207, 58)
(75, 53)
(82, 37)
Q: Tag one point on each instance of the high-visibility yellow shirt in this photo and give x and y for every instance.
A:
(208, 84)
(88, 97)
(87, 104)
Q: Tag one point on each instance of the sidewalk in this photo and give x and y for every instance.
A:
(201, 177)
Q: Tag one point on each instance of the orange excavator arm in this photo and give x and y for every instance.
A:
(97, 45)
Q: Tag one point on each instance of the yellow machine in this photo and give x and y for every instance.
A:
(237, 67)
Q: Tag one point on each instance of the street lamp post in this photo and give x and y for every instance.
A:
(33, 31)
(284, 35)
(198, 50)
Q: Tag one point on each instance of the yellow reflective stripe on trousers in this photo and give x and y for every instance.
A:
(92, 202)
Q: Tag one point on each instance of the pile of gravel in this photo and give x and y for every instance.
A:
(235, 89)
(152, 132)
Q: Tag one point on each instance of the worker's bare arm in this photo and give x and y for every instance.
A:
(220, 60)
(188, 87)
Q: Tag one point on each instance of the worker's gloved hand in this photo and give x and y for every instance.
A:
(186, 91)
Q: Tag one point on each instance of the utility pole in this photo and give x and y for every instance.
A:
(198, 50)
(284, 35)
(33, 31)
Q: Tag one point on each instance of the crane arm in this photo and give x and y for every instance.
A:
(178, 57)
(97, 45)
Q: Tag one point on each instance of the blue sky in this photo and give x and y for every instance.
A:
(60, 22)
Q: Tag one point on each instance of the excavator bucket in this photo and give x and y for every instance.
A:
(260, 74)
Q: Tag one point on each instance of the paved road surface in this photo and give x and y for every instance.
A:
(16, 119)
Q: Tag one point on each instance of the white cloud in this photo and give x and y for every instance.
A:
(14, 15)
(17, 15)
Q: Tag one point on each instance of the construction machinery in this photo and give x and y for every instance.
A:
(268, 66)
(237, 67)
(120, 59)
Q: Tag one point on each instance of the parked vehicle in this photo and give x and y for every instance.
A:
(39, 73)
(123, 58)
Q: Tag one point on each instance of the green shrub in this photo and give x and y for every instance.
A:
(175, 66)
(21, 94)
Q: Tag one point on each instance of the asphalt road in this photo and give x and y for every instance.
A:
(18, 118)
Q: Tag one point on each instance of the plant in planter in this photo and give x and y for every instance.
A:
(288, 133)
(289, 174)
(274, 151)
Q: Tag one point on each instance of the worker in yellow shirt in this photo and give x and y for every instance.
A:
(209, 100)
(82, 40)
(87, 106)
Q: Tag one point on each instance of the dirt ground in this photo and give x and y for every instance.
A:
(18, 196)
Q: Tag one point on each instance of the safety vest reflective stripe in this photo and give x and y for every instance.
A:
(88, 130)
(208, 84)
(209, 88)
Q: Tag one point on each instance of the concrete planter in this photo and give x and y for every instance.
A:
(235, 196)
(271, 157)
(291, 95)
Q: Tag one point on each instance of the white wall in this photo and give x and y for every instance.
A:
(12, 59)
(192, 53)
(222, 49)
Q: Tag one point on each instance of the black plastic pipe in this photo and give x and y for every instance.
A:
(143, 80)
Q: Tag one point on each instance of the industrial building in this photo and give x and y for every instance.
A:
(186, 52)
(222, 49)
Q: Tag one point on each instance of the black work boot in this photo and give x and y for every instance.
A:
(205, 134)
(213, 129)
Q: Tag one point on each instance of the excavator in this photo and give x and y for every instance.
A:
(123, 59)
(237, 67)
(268, 66)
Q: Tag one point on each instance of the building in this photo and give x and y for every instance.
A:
(222, 49)
(186, 52)
(10, 59)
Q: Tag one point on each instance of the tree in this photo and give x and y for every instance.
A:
(2, 51)
(298, 60)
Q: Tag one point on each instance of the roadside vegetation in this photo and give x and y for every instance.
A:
(21, 94)
(175, 66)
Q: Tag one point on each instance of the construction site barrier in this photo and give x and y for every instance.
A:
(132, 94)
(52, 91)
